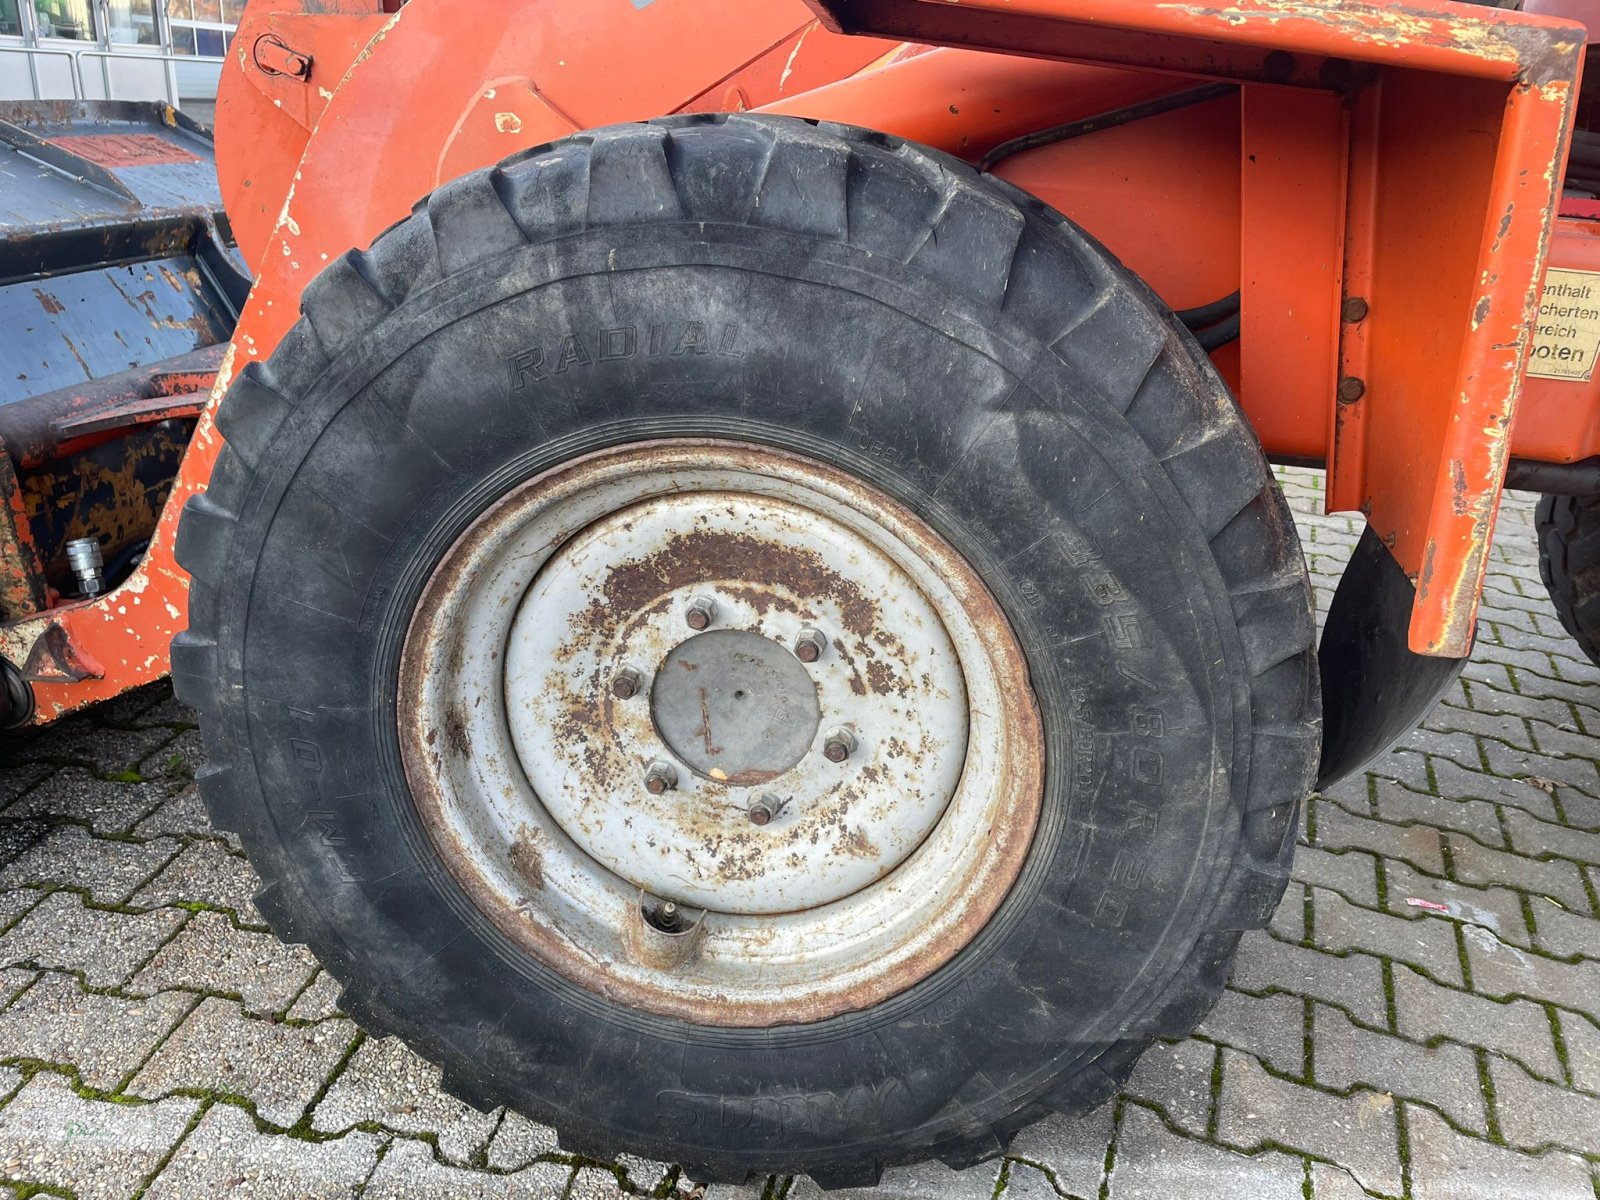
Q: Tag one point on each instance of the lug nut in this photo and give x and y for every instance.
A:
(660, 777)
(625, 683)
(839, 745)
(808, 647)
(700, 613)
(763, 808)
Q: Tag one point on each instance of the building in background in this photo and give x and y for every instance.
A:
(116, 49)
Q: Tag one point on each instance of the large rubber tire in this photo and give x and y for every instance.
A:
(1569, 563)
(939, 334)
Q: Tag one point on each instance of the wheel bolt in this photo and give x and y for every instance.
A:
(839, 745)
(660, 777)
(808, 647)
(700, 613)
(763, 808)
(625, 683)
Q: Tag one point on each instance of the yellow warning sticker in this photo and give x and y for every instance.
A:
(1566, 337)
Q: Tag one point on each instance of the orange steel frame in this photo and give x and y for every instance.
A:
(1406, 156)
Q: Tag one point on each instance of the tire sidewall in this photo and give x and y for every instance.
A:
(968, 421)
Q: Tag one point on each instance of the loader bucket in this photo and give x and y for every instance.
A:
(119, 286)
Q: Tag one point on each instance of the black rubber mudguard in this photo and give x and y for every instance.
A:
(1374, 687)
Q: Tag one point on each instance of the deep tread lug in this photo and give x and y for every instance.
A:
(470, 223)
(254, 414)
(204, 536)
(343, 303)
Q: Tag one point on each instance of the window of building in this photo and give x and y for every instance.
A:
(132, 23)
(10, 19)
(203, 27)
(71, 19)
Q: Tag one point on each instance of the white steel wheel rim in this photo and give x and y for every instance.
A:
(528, 760)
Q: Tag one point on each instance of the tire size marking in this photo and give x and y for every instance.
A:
(616, 343)
(324, 820)
(1142, 760)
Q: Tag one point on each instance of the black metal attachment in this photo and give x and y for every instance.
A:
(16, 697)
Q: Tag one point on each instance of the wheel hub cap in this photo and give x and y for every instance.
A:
(735, 706)
(731, 686)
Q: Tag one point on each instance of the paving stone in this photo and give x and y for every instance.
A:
(1447, 1165)
(179, 759)
(1496, 909)
(644, 1175)
(71, 857)
(183, 814)
(1352, 873)
(1153, 1163)
(1428, 945)
(106, 946)
(1272, 1028)
(17, 903)
(76, 795)
(1177, 1077)
(518, 1141)
(1477, 864)
(1520, 1029)
(1552, 710)
(1071, 1150)
(15, 780)
(1534, 1114)
(210, 955)
(1502, 970)
(104, 1037)
(1581, 1037)
(409, 1172)
(1461, 783)
(226, 1156)
(147, 705)
(1288, 920)
(1027, 1182)
(97, 1150)
(1335, 1183)
(1445, 1075)
(13, 981)
(922, 1181)
(17, 838)
(112, 750)
(206, 873)
(599, 1183)
(319, 1001)
(1529, 835)
(386, 1083)
(1512, 730)
(279, 1067)
(1354, 981)
(1517, 764)
(1417, 844)
(1357, 1131)
(1475, 818)
(1558, 739)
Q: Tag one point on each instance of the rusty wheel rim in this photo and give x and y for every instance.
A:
(720, 732)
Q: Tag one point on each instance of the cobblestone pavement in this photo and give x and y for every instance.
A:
(1420, 1021)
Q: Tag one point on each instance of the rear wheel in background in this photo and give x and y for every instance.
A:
(1569, 563)
(754, 645)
